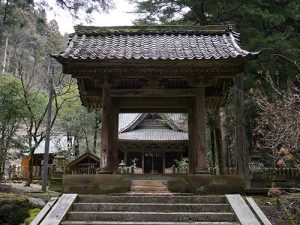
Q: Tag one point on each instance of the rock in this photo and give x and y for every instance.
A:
(37, 201)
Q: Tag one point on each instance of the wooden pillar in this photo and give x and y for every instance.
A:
(143, 162)
(114, 137)
(223, 126)
(200, 127)
(125, 157)
(106, 152)
(152, 163)
(191, 144)
(163, 162)
(218, 142)
(240, 134)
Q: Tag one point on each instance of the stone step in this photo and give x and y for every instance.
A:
(144, 223)
(149, 186)
(149, 189)
(160, 183)
(151, 199)
(151, 207)
(152, 216)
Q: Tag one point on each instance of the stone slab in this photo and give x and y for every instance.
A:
(58, 212)
(144, 223)
(188, 183)
(152, 207)
(241, 210)
(151, 199)
(153, 216)
(258, 211)
(44, 211)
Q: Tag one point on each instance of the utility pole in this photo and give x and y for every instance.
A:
(48, 131)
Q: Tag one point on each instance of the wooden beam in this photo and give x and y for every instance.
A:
(155, 92)
(153, 110)
(155, 103)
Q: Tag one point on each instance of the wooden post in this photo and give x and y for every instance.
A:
(105, 161)
(240, 134)
(223, 126)
(125, 157)
(218, 142)
(152, 164)
(114, 138)
(143, 162)
(191, 144)
(200, 127)
(163, 162)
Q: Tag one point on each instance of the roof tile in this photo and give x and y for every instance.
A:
(175, 45)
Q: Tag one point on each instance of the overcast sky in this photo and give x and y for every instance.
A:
(116, 17)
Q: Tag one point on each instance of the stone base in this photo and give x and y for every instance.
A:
(202, 172)
(115, 183)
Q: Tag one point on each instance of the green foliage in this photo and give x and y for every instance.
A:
(79, 7)
(272, 27)
(182, 165)
(32, 214)
(14, 209)
(12, 111)
(11, 99)
(76, 121)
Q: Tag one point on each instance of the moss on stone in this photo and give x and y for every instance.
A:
(32, 214)
(14, 209)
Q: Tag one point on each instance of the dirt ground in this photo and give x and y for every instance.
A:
(285, 211)
(33, 191)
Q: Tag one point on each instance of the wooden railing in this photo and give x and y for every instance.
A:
(91, 169)
(283, 173)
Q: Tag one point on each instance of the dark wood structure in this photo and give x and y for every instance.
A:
(87, 163)
(165, 69)
(153, 141)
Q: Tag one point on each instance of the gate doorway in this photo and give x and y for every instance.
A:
(153, 163)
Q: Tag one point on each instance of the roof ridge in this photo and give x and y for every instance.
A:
(152, 29)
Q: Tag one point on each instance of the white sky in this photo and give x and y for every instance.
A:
(116, 17)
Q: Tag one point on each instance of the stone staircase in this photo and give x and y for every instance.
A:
(149, 187)
(150, 210)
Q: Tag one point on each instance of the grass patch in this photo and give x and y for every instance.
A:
(32, 214)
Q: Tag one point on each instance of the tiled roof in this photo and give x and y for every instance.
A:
(57, 143)
(163, 134)
(132, 43)
(129, 128)
(127, 119)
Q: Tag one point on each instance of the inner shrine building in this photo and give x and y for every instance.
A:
(139, 75)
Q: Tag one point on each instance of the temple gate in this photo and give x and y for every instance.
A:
(159, 69)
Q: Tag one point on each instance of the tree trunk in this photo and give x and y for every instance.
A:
(2, 149)
(5, 55)
(30, 166)
(86, 141)
(76, 146)
(5, 149)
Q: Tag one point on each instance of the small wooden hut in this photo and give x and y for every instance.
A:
(87, 163)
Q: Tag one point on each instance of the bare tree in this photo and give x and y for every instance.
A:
(277, 129)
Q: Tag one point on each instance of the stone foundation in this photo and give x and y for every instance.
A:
(108, 183)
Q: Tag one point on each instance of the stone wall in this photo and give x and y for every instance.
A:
(108, 183)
